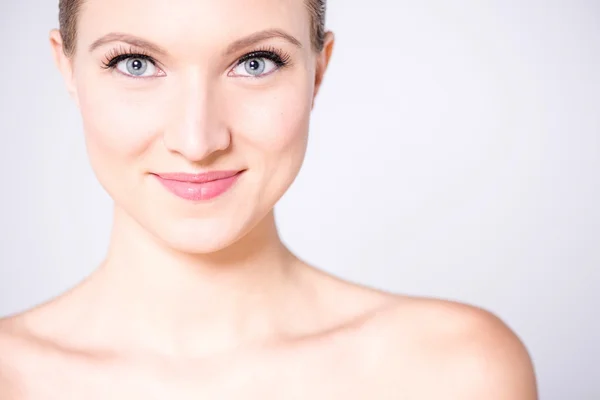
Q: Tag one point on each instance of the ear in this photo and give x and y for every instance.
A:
(322, 62)
(63, 63)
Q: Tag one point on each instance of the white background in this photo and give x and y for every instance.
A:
(455, 153)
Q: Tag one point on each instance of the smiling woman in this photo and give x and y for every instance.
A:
(196, 118)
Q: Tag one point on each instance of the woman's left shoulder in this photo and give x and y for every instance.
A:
(472, 349)
(450, 319)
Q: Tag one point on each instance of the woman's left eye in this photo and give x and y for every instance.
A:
(255, 67)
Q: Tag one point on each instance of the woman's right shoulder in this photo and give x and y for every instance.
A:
(13, 349)
(15, 338)
(19, 354)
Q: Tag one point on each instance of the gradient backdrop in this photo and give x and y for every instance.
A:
(455, 153)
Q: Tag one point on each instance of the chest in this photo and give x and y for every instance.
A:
(293, 378)
(327, 372)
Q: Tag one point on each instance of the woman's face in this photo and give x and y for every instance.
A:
(192, 100)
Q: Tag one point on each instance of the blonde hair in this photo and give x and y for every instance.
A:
(69, 11)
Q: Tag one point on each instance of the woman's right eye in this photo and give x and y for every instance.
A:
(136, 66)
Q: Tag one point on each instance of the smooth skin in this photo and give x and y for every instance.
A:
(202, 300)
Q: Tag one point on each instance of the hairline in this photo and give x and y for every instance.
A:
(69, 11)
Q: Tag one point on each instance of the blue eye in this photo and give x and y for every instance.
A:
(138, 67)
(132, 64)
(255, 66)
(260, 63)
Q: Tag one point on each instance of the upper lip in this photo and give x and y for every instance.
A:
(197, 178)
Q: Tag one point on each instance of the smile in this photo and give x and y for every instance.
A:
(199, 187)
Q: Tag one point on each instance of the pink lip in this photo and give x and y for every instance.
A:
(198, 187)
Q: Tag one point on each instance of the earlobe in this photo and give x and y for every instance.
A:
(323, 61)
(63, 62)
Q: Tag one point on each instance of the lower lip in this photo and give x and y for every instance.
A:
(199, 191)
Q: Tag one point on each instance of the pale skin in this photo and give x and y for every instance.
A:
(203, 300)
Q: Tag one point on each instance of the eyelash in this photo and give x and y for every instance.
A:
(119, 54)
(116, 55)
(280, 58)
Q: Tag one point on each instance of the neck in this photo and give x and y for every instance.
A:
(174, 302)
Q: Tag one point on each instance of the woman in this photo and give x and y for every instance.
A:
(196, 117)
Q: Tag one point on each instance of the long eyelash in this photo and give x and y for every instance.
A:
(280, 58)
(121, 53)
(118, 54)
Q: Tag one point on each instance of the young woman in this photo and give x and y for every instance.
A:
(196, 117)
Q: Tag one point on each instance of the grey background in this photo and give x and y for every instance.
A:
(455, 153)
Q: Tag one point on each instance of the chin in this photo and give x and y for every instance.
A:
(202, 236)
(198, 245)
(196, 228)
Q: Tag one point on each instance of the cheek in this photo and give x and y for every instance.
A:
(271, 129)
(119, 124)
(274, 122)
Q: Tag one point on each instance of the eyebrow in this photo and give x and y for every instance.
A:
(232, 48)
(129, 39)
(257, 37)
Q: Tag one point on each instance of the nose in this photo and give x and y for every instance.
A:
(198, 129)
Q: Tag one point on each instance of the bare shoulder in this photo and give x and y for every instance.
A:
(21, 354)
(14, 351)
(470, 351)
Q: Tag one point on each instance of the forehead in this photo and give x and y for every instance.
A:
(192, 23)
